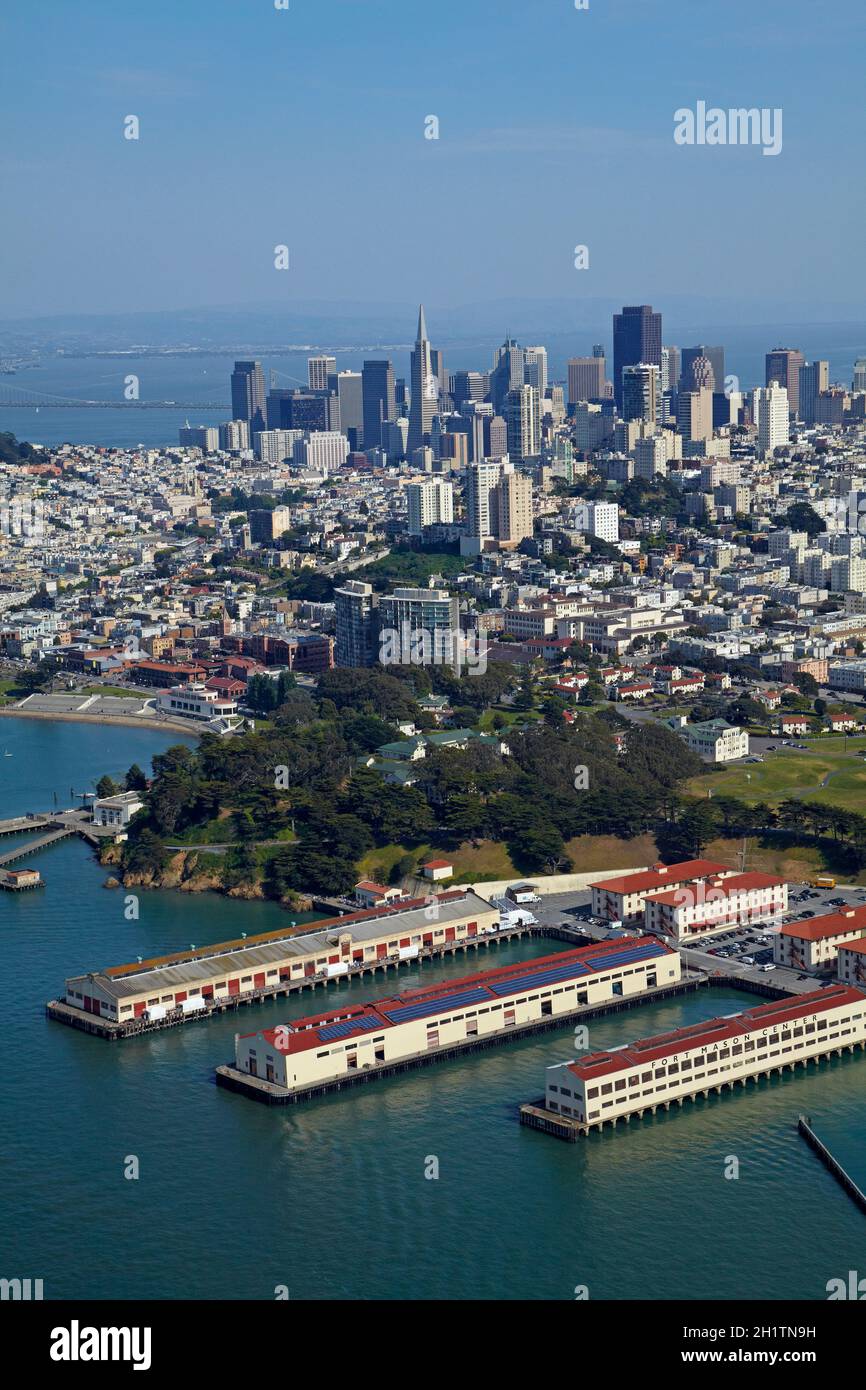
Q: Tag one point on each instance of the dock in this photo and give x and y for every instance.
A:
(20, 880)
(256, 1088)
(845, 1181)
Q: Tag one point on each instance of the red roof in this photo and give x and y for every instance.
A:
(437, 864)
(830, 924)
(716, 1030)
(661, 876)
(301, 1034)
(737, 883)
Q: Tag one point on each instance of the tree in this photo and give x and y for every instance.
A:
(106, 786)
(135, 780)
(801, 516)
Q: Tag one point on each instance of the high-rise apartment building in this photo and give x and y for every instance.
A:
(640, 390)
(695, 414)
(429, 503)
(770, 414)
(523, 419)
(513, 508)
(481, 480)
(356, 608)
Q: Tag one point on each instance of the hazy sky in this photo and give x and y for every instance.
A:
(306, 127)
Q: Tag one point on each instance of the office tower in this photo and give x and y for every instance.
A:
(535, 369)
(640, 385)
(670, 369)
(830, 406)
(406, 612)
(248, 395)
(437, 364)
(599, 519)
(637, 337)
(234, 435)
(379, 399)
(273, 446)
(585, 379)
(814, 378)
(347, 386)
(513, 508)
(454, 446)
(715, 355)
(783, 365)
(401, 396)
(321, 453)
(468, 386)
(523, 421)
(278, 413)
(425, 389)
(498, 444)
(395, 437)
(698, 374)
(481, 482)
(356, 616)
(507, 374)
(695, 415)
(267, 526)
(478, 415)
(859, 382)
(429, 503)
(598, 350)
(318, 371)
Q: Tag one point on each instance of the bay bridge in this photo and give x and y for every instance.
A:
(19, 398)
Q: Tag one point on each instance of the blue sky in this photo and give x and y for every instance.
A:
(306, 127)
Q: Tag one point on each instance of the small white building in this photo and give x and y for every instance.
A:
(195, 701)
(117, 811)
(717, 740)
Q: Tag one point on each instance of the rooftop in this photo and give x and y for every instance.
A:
(715, 1031)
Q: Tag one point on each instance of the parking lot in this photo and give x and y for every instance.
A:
(742, 951)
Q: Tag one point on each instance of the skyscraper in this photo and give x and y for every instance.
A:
(248, 395)
(507, 372)
(585, 379)
(513, 512)
(688, 377)
(770, 412)
(523, 418)
(637, 337)
(640, 388)
(859, 382)
(356, 624)
(481, 480)
(348, 388)
(814, 378)
(318, 371)
(670, 373)
(535, 369)
(425, 389)
(379, 400)
(783, 365)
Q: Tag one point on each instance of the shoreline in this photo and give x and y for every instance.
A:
(130, 721)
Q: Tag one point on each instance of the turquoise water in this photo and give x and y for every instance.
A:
(330, 1198)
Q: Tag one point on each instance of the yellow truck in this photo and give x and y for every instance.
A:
(823, 881)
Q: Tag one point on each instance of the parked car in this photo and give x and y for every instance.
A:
(768, 966)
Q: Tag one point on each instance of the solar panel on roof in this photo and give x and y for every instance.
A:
(564, 972)
(331, 1031)
(406, 1012)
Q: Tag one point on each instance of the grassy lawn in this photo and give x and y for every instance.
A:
(789, 774)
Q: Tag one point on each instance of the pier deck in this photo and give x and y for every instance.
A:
(845, 1181)
(255, 1088)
